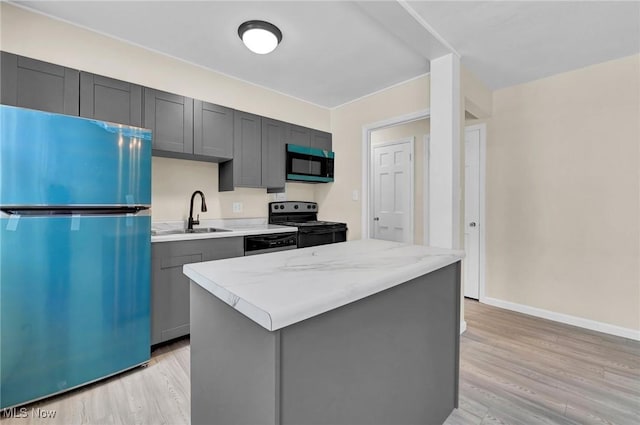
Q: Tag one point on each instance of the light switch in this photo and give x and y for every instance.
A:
(237, 207)
(355, 195)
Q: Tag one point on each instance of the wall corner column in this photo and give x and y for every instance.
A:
(444, 158)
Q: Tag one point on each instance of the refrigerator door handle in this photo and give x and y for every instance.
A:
(41, 211)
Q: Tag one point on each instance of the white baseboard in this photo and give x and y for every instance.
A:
(463, 326)
(564, 318)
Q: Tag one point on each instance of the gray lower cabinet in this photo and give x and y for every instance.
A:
(170, 117)
(170, 288)
(107, 99)
(34, 84)
(274, 134)
(212, 130)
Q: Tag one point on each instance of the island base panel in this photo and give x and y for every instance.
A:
(233, 365)
(389, 358)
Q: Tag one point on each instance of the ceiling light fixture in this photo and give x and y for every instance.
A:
(259, 36)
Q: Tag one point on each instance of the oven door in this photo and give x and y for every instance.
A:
(314, 237)
(309, 164)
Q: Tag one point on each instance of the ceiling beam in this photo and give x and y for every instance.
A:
(418, 17)
(404, 23)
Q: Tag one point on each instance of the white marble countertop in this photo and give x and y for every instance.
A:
(282, 288)
(235, 227)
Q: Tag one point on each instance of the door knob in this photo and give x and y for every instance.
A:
(472, 224)
(376, 218)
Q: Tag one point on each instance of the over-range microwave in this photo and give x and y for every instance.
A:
(306, 164)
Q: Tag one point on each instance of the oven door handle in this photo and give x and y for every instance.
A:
(319, 232)
(273, 238)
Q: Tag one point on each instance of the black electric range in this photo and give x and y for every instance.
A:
(304, 216)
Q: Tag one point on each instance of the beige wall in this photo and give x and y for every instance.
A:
(417, 130)
(37, 36)
(172, 189)
(563, 191)
(478, 99)
(346, 125)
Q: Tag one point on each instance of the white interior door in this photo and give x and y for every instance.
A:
(393, 191)
(472, 213)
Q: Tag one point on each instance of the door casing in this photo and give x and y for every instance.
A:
(367, 168)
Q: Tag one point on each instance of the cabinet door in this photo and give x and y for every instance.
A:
(247, 149)
(170, 117)
(106, 99)
(170, 287)
(33, 84)
(220, 248)
(273, 153)
(321, 140)
(298, 135)
(212, 130)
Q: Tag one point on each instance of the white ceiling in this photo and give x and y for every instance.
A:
(333, 52)
(511, 42)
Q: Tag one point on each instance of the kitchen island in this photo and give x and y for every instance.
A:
(360, 332)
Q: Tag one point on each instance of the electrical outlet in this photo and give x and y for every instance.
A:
(237, 207)
(355, 195)
(282, 196)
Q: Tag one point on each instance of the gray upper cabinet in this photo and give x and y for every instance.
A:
(247, 149)
(274, 139)
(33, 84)
(170, 117)
(106, 99)
(321, 140)
(251, 149)
(304, 136)
(259, 156)
(298, 135)
(212, 131)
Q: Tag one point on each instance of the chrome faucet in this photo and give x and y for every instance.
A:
(203, 208)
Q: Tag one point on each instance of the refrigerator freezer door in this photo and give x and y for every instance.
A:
(74, 301)
(51, 160)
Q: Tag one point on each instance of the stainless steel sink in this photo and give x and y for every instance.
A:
(206, 230)
(186, 231)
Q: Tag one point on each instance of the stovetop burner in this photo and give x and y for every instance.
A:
(304, 216)
(299, 214)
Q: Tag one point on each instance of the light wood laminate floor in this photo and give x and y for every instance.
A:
(514, 369)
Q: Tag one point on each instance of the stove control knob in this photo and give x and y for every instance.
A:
(295, 207)
(308, 207)
(315, 206)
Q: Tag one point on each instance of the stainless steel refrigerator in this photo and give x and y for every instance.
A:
(74, 252)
